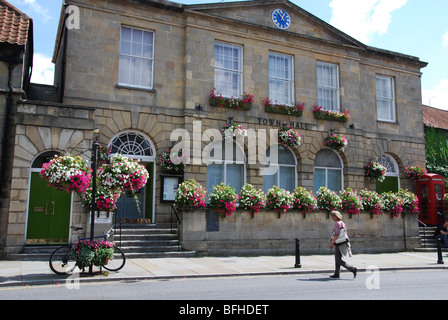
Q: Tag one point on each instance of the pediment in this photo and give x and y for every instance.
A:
(259, 13)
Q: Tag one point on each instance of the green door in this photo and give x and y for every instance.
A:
(130, 209)
(48, 213)
(389, 184)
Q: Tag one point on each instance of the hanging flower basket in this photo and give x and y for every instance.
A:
(172, 163)
(415, 172)
(243, 103)
(67, 173)
(224, 199)
(375, 171)
(295, 110)
(123, 174)
(190, 194)
(337, 142)
(320, 113)
(105, 198)
(289, 137)
(234, 130)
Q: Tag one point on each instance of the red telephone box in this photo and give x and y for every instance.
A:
(430, 192)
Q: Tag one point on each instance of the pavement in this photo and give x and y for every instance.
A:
(27, 273)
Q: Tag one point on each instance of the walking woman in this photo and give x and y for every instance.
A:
(341, 244)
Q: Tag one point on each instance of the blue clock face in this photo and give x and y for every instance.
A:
(281, 19)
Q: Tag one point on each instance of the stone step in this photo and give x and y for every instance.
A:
(136, 241)
(170, 254)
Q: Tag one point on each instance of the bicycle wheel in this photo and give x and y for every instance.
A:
(61, 261)
(117, 262)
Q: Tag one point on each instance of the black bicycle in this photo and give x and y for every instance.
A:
(62, 261)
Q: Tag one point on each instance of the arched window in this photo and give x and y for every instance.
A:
(328, 171)
(226, 163)
(390, 164)
(132, 143)
(392, 181)
(285, 175)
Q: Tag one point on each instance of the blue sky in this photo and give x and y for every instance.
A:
(413, 27)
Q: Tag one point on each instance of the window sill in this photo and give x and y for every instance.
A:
(121, 86)
(388, 122)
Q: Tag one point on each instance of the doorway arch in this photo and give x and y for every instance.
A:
(392, 179)
(49, 210)
(136, 145)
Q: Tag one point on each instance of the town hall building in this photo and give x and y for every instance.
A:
(140, 76)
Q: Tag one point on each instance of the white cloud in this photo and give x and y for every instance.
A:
(363, 18)
(445, 39)
(437, 97)
(44, 13)
(43, 69)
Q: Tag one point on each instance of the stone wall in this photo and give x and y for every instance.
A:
(268, 234)
(43, 126)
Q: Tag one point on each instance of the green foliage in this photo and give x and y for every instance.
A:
(436, 148)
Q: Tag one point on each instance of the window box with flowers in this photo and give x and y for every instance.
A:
(190, 194)
(289, 137)
(375, 171)
(224, 199)
(243, 103)
(392, 203)
(279, 200)
(415, 172)
(351, 202)
(410, 201)
(234, 130)
(252, 199)
(371, 202)
(328, 200)
(303, 200)
(322, 114)
(173, 163)
(293, 110)
(336, 142)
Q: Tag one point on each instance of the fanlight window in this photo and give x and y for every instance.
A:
(390, 164)
(133, 144)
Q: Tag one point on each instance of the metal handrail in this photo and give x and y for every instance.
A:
(424, 232)
(173, 209)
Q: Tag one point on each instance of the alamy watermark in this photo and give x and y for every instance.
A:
(373, 278)
(73, 20)
(257, 145)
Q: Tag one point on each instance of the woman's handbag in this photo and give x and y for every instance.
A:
(342, 238)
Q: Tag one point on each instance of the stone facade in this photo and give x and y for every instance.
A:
(87, 72)
(267, 233)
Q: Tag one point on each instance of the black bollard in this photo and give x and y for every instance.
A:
(439, 251)
(297, 265)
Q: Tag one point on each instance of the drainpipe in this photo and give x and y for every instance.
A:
(64, 54)
(8, 115)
